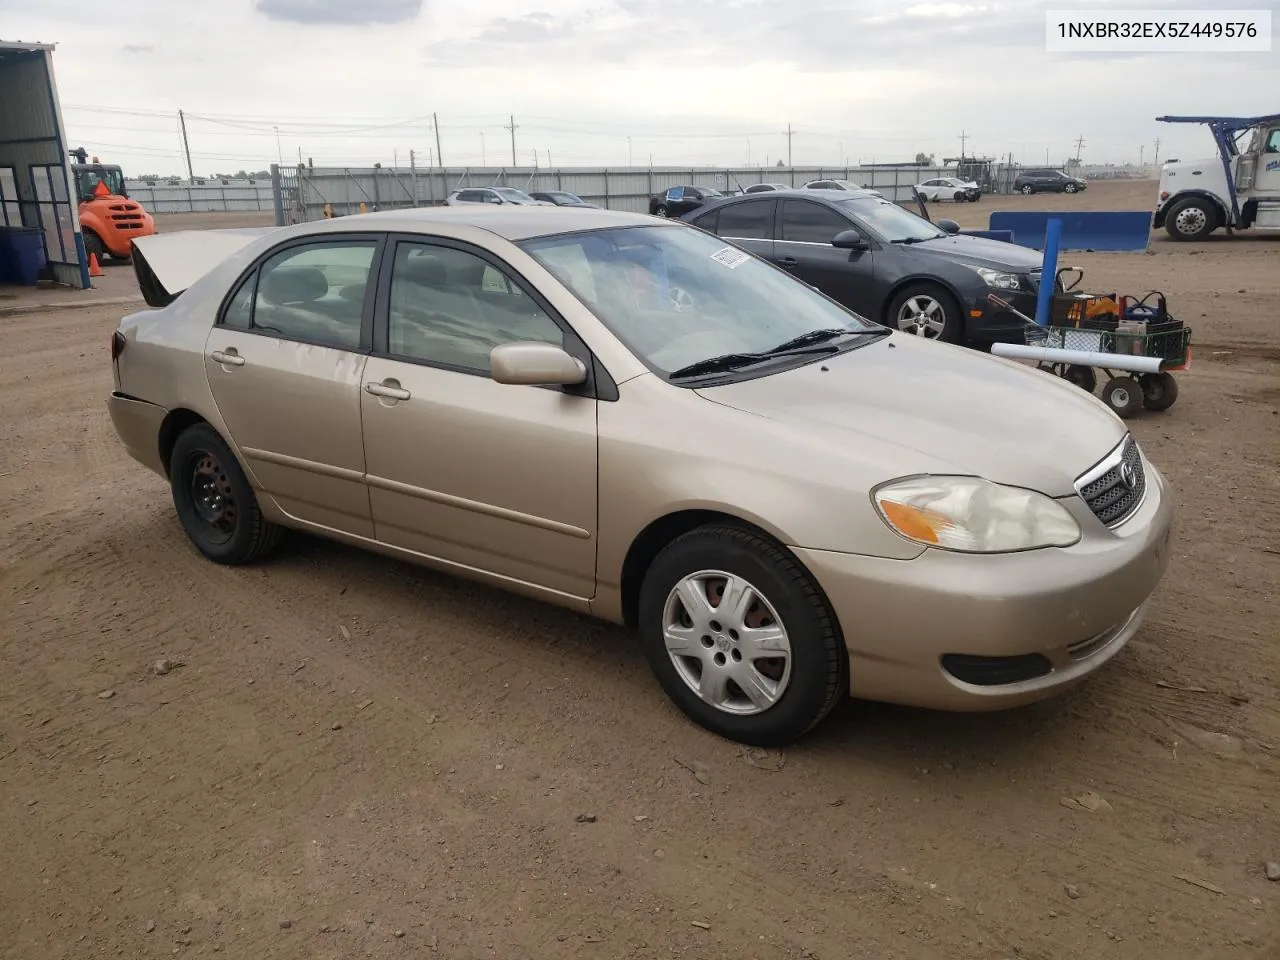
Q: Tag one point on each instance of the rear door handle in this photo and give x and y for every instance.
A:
(232, 359)
(390, 389)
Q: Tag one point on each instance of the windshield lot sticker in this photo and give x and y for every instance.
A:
(731, 257)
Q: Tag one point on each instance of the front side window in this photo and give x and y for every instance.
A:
(677, 296)
(312, 292)
(452, 307)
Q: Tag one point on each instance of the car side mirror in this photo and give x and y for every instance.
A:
(850, 240)
(532, 364)
(947, 225)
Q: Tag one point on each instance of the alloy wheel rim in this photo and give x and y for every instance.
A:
(727, 642)
(922, 316)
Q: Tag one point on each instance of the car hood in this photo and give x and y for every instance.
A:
(981, 252)
(936, 408)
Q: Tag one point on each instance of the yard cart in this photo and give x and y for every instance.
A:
(1133, 340)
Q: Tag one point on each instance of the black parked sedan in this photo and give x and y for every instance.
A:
(884, 262)
(677, 201)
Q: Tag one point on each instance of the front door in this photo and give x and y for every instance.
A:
(484, 475)
(1266, 182)
(285, 364)
(802, 245)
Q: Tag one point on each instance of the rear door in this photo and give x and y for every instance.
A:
(748, 223)
(802, 245)
(285, 363)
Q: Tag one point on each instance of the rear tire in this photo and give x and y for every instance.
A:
(661, 211)
(1028, 189)
(1123, 395)
(698, 656)
(214, 500)
(1159, 390)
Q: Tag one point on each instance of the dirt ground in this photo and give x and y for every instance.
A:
(360, 758)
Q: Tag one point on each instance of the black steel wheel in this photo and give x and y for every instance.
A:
(1082, 377)
(214, 500)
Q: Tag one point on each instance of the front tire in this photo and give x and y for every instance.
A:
(926, 310)
(740, 637)
(93, 245)
(1070, 188)
(214, 500)
(1192, 218)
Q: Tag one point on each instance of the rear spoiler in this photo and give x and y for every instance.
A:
(166, 264)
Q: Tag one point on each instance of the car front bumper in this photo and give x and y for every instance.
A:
(1067, 611)
(988, 323)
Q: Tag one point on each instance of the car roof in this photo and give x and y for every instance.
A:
(511, 222)
(820, 195)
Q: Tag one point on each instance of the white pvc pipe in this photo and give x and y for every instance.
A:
(1082, 358)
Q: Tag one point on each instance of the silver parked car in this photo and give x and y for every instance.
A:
(494, 195)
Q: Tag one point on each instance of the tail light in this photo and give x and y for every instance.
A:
(117, 345)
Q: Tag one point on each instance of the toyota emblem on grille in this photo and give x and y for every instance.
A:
(1127, 476)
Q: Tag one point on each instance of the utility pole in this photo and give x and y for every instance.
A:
(628, 151)
(186, 147)
(512, 127)
(964, 138)
(548, 158)
(439, 153)
(1079, 147)
(789, 132)
(1156, 161)
(413, 175)
(279, 149)
(1142, 149)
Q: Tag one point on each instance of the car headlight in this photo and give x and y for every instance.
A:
(1001, 281)
(972, 515)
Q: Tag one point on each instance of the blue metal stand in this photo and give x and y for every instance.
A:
(1049, 271)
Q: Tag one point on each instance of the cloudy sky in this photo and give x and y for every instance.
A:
(617, 81)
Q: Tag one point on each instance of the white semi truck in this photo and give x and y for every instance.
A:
(1238, 189)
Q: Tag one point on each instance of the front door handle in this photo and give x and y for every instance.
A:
(231, 359)
(789, 262)
(390, 389)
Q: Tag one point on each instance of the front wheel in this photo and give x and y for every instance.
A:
(1070, 188)
(1191, 218)
(93, 246)
(740, 637)
(215, 502)
(926, 310)
(1123, 395)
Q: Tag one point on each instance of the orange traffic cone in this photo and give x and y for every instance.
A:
(95, 270)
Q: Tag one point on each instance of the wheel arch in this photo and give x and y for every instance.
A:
(1219, 205)
(651, 541)
(172, 427)
(923, 279)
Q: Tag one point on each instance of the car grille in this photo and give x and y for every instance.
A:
(1116, 486)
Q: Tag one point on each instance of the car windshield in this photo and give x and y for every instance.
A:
(567, 198)
(89, 179)
(889, 221)
(677, 295)
(511, 193)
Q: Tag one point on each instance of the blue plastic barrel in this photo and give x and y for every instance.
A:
(22, 257)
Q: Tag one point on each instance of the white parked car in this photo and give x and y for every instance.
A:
(494, 195)
(837, 185)
(950, 188)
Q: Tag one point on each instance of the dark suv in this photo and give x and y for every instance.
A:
(1047, 181)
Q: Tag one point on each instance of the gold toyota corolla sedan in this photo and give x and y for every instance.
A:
(633, 419)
